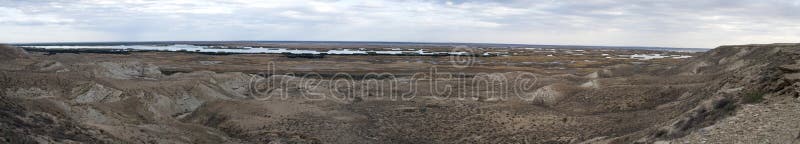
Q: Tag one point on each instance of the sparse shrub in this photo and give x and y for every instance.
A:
(725, 106)
(753, 97)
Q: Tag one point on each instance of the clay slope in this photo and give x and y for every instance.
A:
(9, 53)
(762, 82)
(739, 78)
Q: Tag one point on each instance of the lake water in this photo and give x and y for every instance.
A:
(246, 50)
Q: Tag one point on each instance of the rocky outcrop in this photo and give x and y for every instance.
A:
(547, 95)
(743, 76)
(97, 93)
(48, 66)
(128, 70)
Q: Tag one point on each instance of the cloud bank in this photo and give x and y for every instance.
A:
(673, 23)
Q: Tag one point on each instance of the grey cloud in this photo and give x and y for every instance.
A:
(681, 23)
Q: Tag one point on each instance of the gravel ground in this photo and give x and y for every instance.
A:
(777, 123)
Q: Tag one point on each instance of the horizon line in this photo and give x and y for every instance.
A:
(348, 41)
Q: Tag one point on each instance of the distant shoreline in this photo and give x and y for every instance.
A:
(346, 44)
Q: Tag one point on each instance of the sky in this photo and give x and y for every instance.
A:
(665, 23)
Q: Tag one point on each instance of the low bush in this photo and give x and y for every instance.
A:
(753, 97)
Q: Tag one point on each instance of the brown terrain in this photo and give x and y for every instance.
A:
(731, 94)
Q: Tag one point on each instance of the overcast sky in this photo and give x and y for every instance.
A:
(672, 23)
